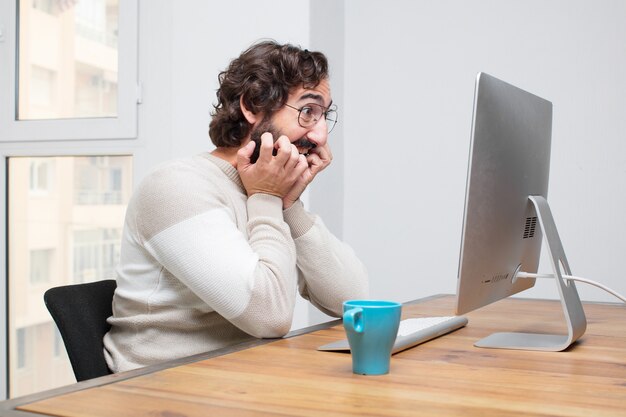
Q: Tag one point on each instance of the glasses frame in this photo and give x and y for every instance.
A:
(325, 112)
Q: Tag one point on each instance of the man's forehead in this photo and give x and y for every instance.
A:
(318, 94)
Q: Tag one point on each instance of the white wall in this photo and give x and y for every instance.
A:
(409, 82)
(326, 193)
(183, 47)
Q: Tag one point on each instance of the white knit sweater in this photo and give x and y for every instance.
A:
(203, 266)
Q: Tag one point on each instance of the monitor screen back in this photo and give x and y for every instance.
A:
(509, 160)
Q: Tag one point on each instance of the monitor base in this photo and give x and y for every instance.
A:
(525, 341)
(570, 301)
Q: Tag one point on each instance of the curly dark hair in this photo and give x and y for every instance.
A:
(264, 75)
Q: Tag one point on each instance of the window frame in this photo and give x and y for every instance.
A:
(124, 126)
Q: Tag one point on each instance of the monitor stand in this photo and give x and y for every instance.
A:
(572, 307)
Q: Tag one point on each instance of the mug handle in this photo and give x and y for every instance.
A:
(353, 319)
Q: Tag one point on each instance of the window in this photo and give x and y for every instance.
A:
(40, 265)
(79, 41)
(41, 175)
(21, 348)
(42, 92)
(98, 180)
(96, 92)
(76, 75)
(70, 235)
(96, 253)
(69, 86)
(46, 6)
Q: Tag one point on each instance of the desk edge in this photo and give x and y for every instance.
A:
(8, 407)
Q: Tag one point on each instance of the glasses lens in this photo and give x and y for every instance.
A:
(331, 119)
(310, 114)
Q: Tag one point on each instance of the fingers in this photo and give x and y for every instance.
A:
(324, 153)
(315, 162)
(279, 151)
(319, 158)
(294, 158)
(301, 164)
(244, 154)
(286, 153)
(288, 157)
(284, 149)
(267, 147)
(278, 168)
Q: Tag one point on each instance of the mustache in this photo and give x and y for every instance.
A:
(304, 143)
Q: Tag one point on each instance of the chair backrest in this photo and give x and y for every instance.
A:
(80, 312)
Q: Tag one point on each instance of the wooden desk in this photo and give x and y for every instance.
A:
(445, 377)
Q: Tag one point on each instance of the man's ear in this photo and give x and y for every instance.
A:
(247, 113)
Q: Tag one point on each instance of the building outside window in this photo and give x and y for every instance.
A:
(41, 265)
(98, 180)
(68, 67)
(96, 253)
(41, 175)
(71, 234)
(21, 348)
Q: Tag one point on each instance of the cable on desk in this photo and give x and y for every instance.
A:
(573, 278)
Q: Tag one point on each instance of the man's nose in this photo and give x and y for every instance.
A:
(318, 133)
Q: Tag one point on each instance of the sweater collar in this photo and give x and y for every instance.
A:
(230, 171)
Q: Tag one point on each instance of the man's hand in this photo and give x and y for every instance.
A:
(275, 175)
(318, 159)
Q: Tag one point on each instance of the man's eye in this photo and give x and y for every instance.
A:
(307, 111)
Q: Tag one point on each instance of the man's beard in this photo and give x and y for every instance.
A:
(267, 126)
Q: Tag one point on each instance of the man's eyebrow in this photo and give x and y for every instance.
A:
(317, 97)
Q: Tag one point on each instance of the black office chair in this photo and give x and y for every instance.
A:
(80, 312)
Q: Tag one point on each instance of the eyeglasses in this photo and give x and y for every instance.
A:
(310, 114)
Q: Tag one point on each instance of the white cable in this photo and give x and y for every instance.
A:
(572, 278)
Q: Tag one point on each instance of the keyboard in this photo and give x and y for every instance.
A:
(411, 332)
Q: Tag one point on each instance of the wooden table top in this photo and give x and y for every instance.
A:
(447, 376)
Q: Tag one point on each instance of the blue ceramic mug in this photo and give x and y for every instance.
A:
(372, 327)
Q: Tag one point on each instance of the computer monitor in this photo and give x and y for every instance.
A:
(506, 212)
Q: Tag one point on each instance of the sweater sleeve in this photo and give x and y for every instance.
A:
(329, 272)
(249, 280)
